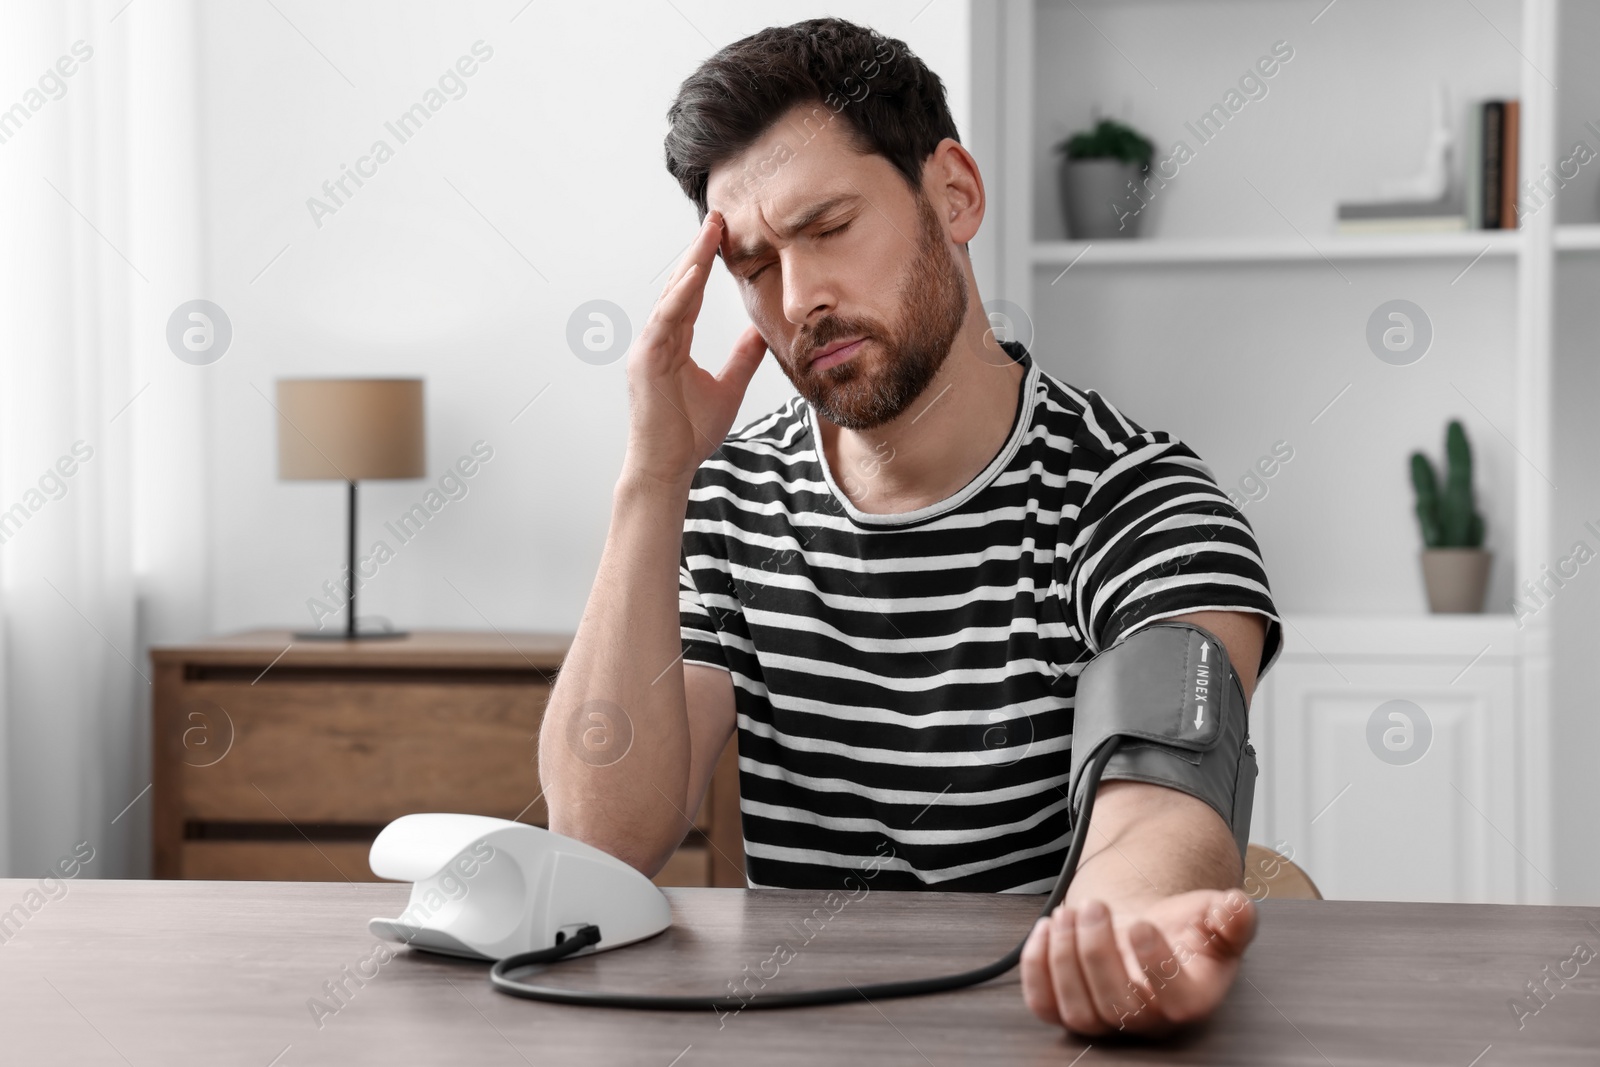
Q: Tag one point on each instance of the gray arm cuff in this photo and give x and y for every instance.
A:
(1207, 777)
(1171, 694)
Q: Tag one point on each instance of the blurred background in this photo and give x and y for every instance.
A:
(1307, 291)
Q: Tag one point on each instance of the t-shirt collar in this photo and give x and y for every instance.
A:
(1021, 420)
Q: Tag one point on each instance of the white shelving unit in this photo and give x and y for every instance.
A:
(1466, 247)
(1578, 238)
(1241, 311)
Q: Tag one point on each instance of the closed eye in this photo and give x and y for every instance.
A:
(826, 233)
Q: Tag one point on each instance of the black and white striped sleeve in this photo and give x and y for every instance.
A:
(699, 629)
(1160, 538)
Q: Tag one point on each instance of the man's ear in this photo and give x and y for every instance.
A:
(955, 187)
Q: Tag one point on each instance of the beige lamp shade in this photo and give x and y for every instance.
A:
(350, 429)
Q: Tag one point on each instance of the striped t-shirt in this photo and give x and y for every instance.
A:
(904, 683)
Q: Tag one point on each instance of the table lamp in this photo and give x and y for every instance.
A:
(350, 430)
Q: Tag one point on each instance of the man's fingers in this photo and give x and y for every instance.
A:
(699, 252)
(689, 255)
(1159, 964)
(1233, 920)
(680, 300)
(661, 331)
(1073, 1001)
(1180, 991)
(1037, 991)
(746, 356)
(1137, 974)
(1104, 973)
(669, 310)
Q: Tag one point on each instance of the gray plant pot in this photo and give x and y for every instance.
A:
(1096, 199)
(1456, 578)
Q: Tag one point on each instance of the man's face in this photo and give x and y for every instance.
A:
(827, 246)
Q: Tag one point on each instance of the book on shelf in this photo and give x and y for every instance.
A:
(1491, 164)
(1409, 224)
(1444, 215)
(1491, 113)
(1509, 130)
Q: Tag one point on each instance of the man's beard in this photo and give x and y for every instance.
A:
(860, 394)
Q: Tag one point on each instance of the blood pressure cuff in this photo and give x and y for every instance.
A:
(1170, 692)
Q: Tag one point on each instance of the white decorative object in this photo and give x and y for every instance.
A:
(1433, 180)
(489, 888)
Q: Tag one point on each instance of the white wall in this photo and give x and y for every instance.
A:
(558, 143)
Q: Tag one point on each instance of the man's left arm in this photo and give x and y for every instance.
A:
(1154, 925)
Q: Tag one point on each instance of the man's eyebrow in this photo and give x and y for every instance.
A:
(757, 248)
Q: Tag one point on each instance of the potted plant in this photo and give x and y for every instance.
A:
(1455, 565)
(1099, 169)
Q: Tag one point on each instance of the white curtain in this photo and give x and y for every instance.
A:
(102, 435)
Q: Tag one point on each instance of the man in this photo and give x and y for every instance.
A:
(890, 585)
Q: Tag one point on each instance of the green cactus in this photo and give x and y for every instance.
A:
(1448, 519)
(1427, 487)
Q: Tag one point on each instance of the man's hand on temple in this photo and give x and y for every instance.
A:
(1142, 969)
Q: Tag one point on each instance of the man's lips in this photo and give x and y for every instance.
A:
(835, 353)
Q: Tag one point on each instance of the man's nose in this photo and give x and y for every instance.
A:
(808, 289)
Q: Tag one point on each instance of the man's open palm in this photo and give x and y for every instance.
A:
(1139, 970)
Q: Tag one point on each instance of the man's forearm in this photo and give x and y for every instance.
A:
(625, 667)
(1147, 842)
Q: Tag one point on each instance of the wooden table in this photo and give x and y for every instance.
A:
(222, 973)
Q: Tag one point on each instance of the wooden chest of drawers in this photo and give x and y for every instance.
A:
(280, 759)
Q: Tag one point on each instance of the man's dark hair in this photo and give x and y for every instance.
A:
(892, 104)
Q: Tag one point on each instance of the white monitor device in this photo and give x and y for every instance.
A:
(489, 888)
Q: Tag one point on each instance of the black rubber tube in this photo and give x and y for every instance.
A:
(500, 973)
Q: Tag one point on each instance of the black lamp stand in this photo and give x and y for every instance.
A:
(350, 632)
